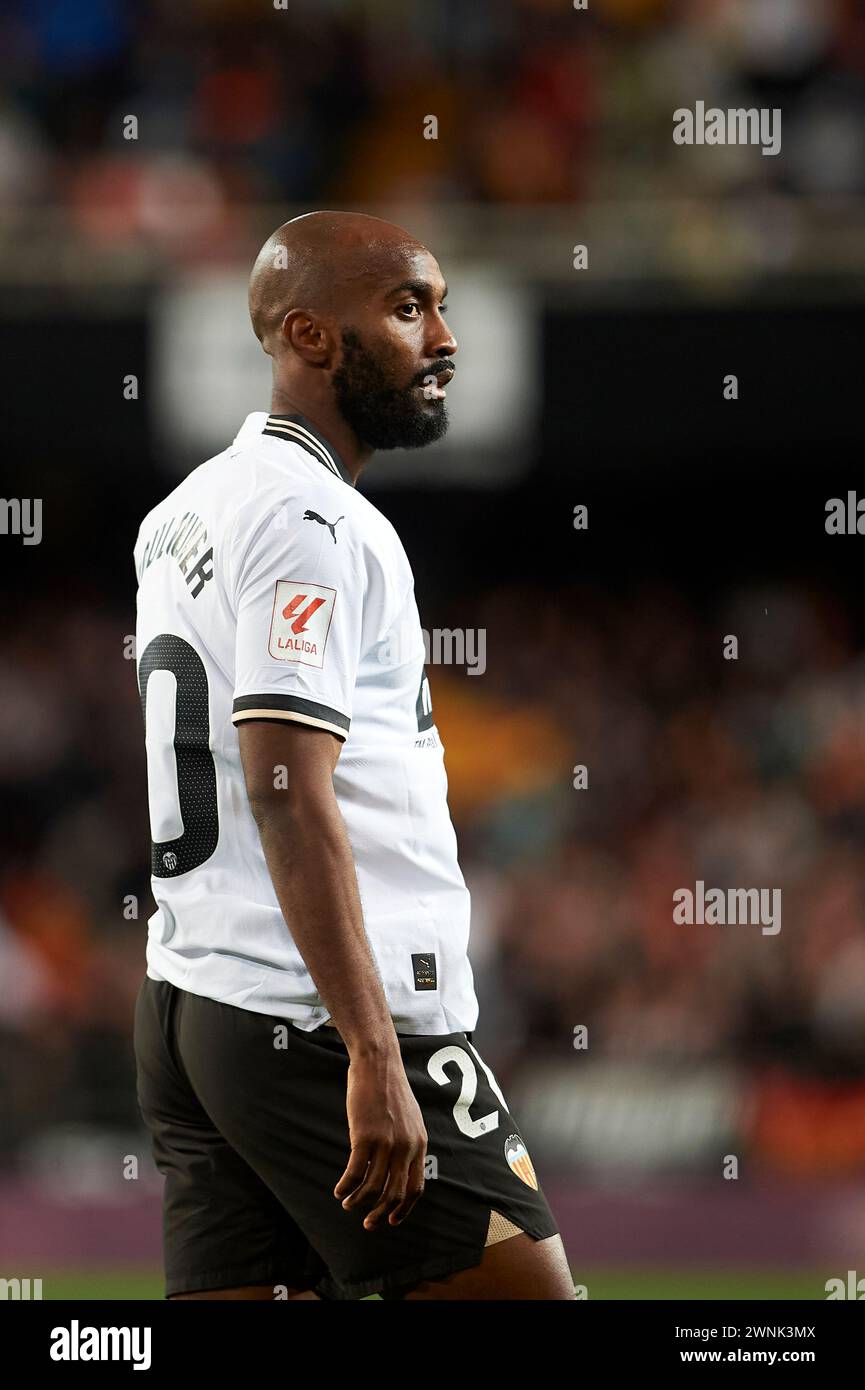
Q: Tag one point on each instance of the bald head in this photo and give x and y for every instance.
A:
(322, 262)
(351, 310)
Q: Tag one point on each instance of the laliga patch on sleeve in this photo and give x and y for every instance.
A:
(301, 620)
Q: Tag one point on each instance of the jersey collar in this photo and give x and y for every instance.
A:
(296, 429)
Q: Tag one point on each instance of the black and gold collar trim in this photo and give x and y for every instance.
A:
(298, 430)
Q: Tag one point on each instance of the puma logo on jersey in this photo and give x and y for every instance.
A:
(424, 970)
(331, 525)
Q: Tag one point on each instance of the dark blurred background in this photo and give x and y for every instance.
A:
(127, 359)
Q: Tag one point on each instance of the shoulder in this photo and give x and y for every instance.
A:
(288, 492)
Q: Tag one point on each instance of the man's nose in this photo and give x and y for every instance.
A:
(442, 342)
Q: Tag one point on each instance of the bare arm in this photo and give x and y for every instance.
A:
(310, 862)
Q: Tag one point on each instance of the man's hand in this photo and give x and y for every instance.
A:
(388, 1141)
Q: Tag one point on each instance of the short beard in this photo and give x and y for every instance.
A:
(380, 415)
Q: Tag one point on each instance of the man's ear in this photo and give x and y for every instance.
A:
(308, 336)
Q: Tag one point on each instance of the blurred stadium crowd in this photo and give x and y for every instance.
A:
(240, 102)
(740, 774)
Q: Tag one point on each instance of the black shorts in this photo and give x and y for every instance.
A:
(247, 1115)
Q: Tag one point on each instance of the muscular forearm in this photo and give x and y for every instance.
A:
(310, 863)
(311, 866)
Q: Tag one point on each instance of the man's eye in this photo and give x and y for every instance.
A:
(410, 306)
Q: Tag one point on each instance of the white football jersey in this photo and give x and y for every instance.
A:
(270, 588)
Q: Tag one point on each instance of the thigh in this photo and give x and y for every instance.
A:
(224, 1231)
(518, 1268)
(278, 1096)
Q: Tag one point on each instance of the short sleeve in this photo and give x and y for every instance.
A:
(299, 593)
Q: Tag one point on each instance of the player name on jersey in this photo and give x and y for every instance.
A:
(182, 539)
